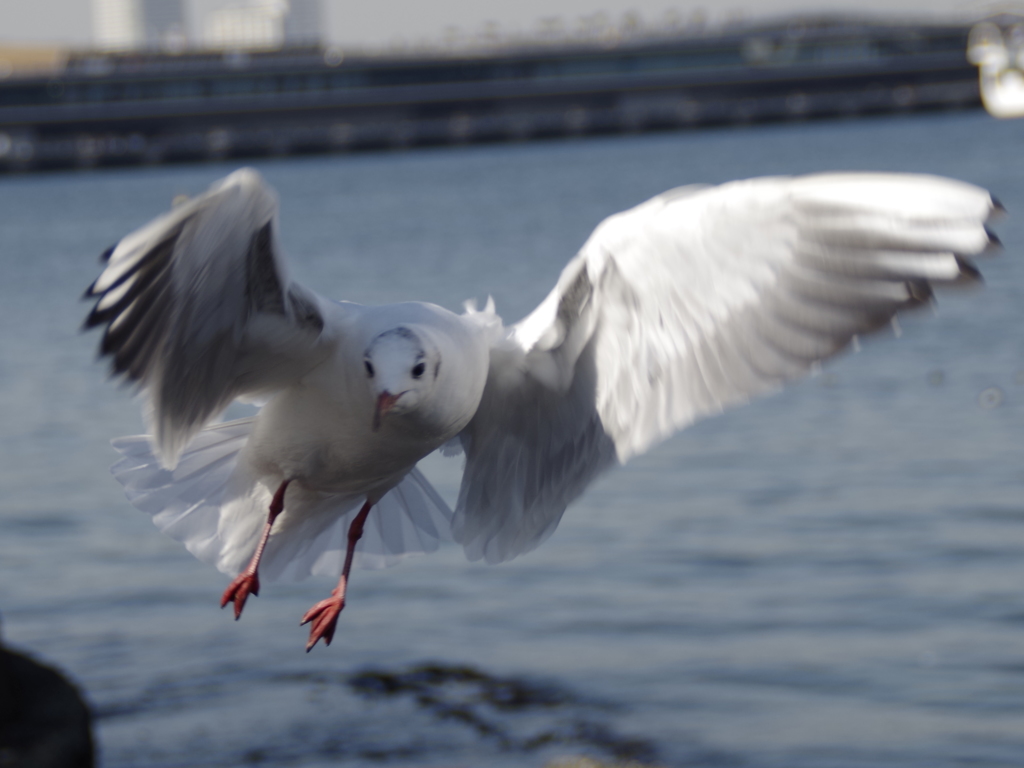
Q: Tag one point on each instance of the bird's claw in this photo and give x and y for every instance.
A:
(324, 616)
(240, 589)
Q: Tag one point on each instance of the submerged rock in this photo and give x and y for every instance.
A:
(582, 761)
(515, 714)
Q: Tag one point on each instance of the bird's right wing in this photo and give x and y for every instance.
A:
(199, 310)
(694, 301)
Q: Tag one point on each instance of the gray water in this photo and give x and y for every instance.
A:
(831, 577)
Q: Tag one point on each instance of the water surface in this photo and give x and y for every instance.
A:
(828, 578)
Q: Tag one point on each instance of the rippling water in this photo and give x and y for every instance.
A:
(833, 577)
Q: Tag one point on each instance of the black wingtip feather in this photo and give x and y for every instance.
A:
(993, 238)
(920, 292)
(105, 256)
(997, 204)
(968, 272)
(140, 309)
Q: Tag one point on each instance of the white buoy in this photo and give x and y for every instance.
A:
(1000, 60)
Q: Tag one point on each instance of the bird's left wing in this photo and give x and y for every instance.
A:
(199, 310)
(696, 300)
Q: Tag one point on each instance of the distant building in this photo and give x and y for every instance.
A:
(115, 24)
(264, 24)
(122, 25)
(245, 26)
(303, 23)
(163, 24)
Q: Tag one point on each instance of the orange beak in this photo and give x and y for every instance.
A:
(385, 403)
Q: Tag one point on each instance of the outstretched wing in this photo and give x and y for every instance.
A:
(696, 300)
(199, 310)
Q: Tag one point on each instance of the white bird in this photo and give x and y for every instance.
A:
(693, 301)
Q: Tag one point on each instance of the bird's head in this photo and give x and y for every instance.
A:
(401, 367)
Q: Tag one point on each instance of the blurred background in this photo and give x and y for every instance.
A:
(175, 23)
(828, 578)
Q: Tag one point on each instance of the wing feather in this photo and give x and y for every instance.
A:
(692, 302)
(198, 309)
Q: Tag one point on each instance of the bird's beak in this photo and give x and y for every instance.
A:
(385, 403)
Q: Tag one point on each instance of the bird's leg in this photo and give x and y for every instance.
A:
(248, 581)
(324, 614)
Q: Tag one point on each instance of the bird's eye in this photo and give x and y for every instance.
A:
(418, 370)
(369, 368)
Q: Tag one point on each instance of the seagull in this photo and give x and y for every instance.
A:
(692, 302)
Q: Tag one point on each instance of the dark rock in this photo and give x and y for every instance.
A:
(44, 722)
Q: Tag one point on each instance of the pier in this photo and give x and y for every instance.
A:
(106, 109)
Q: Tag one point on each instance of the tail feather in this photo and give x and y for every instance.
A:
(217, 510)
(185, 502)
(410, 519)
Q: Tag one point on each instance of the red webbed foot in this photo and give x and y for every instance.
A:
(240, 589)
(324, 616)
